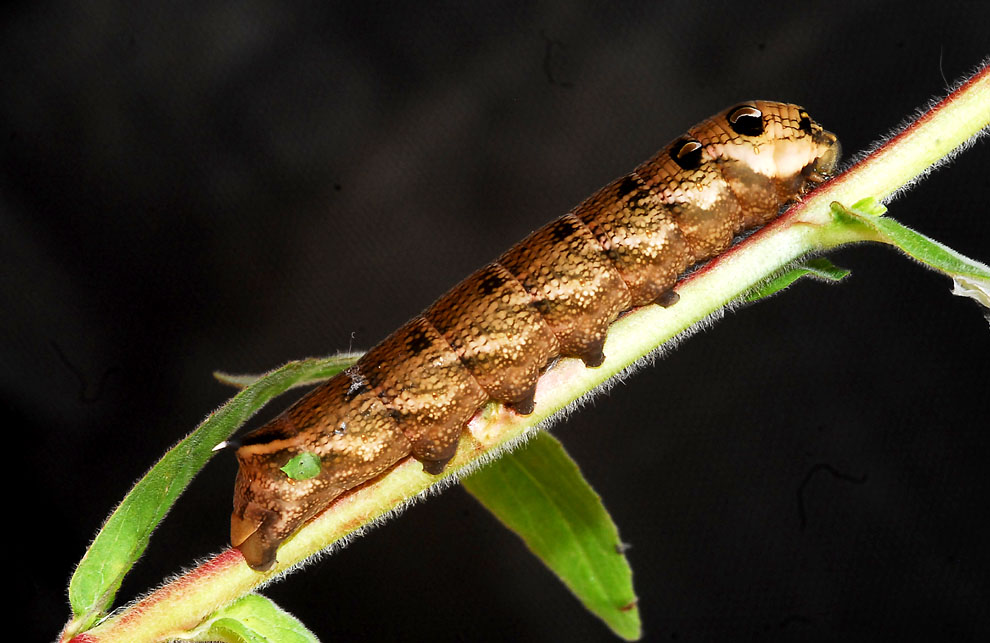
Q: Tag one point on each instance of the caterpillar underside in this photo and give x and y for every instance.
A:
(554, 294)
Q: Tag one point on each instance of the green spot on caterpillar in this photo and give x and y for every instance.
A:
(303, 466)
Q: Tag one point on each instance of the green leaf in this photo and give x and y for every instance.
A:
(972, 278)
(539, 493)
(304, 466)
(820, 268)
(254, 619)
(126, 532)
(332, 366)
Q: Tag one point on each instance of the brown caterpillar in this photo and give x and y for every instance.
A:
(553, 294)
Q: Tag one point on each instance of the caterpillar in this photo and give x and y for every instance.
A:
(554, 294)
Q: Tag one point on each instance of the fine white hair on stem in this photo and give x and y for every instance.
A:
(911, 120)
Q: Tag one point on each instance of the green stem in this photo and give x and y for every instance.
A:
(809, 227)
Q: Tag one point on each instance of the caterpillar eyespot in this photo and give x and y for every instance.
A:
(746, 120)
(552, 295)
(687, 154)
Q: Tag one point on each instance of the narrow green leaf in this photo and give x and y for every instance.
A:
(539, 493)
(304, 466)
(820, 268)
(332, 366)
(126, 532)
(253, 619)
(972, 278)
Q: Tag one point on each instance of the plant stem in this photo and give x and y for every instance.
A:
(180, 605)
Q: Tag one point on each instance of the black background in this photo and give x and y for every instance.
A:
(217, 185)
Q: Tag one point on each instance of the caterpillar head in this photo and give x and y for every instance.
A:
(735, 170)
(769, 146)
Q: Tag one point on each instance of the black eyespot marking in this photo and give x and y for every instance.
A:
(561, 229)
(805, 123)
(686, 153)
(491, 283)
(746, 120)
(471, 362)
(542, 306)
(418, 342)
(627, 187)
